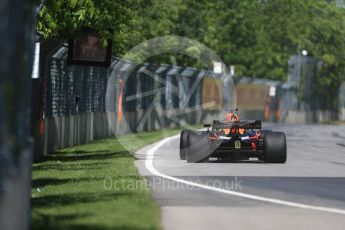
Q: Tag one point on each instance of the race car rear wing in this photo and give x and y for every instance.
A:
(243, 124)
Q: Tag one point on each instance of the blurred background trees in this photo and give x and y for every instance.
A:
(258, 37)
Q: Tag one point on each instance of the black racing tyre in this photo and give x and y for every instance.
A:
(274, 147)
(261, 157)
(198, 146)
(183, 143)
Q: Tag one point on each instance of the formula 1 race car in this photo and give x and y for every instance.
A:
(233, 139)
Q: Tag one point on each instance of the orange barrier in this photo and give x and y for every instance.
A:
(42, 127)
(119, 111)
(212, 94)
(252, 97)
(267, 108)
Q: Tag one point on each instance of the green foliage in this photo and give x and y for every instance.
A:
(64, 18)
(258, 37)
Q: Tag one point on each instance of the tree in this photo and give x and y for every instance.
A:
(316, 26)
(258, 37)
(132, 21)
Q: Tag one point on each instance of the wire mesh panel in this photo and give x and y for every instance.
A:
(35, 99)
(73, 89)
(190, 88)
(160, 75)
(148, 86)
(171, 90)
(129, 92)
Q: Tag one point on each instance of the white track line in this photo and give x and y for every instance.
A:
(149, 166)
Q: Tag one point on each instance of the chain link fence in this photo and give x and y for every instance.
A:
(69, 102)
(71, 90)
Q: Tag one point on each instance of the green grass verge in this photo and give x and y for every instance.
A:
(69, 190)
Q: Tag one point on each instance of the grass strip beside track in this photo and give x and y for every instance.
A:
(95, 186)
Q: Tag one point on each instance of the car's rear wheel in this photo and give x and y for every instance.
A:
(274, 147)
(261, 156)
(183, 143)
(197, 146)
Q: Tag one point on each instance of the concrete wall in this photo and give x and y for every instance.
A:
(308, 117)
(342, 114)
(62, 132)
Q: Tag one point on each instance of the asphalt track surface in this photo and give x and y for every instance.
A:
(308, 192)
